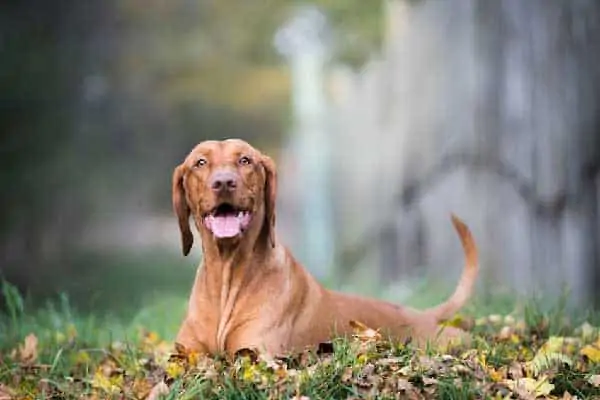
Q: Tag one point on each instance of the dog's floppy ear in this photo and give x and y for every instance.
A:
(270, 195)
(182, 210)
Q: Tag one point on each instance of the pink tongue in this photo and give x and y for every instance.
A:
(224, 226)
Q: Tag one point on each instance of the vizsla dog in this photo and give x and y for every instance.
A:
(250, 292)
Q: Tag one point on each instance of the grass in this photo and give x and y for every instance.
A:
(56, 351)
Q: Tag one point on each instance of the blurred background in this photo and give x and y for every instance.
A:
(383, 117)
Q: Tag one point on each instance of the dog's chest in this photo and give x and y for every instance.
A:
(249, 327)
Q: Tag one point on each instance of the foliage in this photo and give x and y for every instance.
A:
(511, 357)
(101, 99)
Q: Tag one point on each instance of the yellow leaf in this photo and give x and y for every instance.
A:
(362, 359)
(592, 352)
(496, 376)
(528, 386)
(151, 338)
(174, 370)
(553, 344)
(182, 353)
(249, 373)
(194, 357)
(559, 344)
(71, 332)
(59, 337)
(82, 357)
(107, 384)
(544, 360)
(458, 321)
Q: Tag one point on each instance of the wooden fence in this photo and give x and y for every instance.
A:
(487, 109)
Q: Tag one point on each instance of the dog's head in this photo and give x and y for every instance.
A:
(229, 188)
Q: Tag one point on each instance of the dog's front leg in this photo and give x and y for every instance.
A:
(188, 338)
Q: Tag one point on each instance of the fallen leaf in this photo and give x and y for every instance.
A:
(5, 392)
(505, 333)
(404, 385)
(247, 353)
(347, 375)
(141, 387)
(393, 361)
(181, 349)
(544, 361)
(592, 352)
(108, 384)
(460, 321)
(515, 371)
(82, 357)
(429, 381)
(568, 396)
(28, 350)
(527, 387)
(160, 389)
(559, 344)
(509, 320)
(587, 331)
(174, 370)
(363, 332)
(594, 380)
(496, 375)
(71, 332)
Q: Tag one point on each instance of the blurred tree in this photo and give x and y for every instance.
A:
(100, 99)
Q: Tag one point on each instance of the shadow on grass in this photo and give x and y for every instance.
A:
(111, 283)
(101, 296)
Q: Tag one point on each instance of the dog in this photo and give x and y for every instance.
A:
(250, 292)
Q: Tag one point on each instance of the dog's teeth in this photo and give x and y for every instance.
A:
(240, 214)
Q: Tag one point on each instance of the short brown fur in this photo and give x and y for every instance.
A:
(250, 292)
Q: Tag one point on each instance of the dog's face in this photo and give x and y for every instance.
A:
(229, 187)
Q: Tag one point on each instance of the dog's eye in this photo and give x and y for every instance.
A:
(244, 161)
(201, 162)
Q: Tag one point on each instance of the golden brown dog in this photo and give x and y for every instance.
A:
(250, 292)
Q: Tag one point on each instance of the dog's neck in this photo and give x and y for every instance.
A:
(227, 267)
(234, 256)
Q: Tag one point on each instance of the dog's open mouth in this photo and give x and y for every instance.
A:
(227, 221)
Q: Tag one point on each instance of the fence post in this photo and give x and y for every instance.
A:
(303, 41)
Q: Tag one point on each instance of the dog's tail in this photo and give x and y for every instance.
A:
(465, 286)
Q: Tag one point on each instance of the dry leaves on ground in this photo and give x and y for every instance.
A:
(508, 360)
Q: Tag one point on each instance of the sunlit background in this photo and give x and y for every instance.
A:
(383, 117)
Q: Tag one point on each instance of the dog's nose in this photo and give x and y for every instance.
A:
(223, 180)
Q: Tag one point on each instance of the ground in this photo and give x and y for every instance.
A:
(54, 352)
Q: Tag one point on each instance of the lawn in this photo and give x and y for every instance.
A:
(54, 351)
